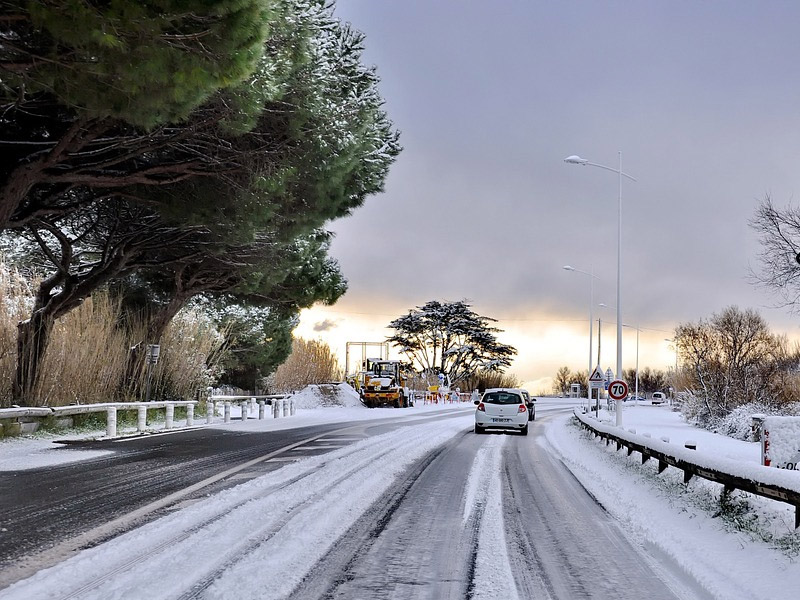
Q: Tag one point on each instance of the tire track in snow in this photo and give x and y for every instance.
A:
(492, 575)
(213, 535)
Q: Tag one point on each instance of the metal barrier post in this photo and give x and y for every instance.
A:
(291, 407)
(189, 415)
(170, 416)
(285, 407)
(261, 410)
(245, 404)
(227, 416)
(141, 418)
(209, 410)
(111, 421)
(276, 408)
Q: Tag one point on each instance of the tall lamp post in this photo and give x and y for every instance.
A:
(577, 160)
(592, 277)
(675, 373)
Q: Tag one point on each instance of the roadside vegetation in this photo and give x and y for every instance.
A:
(176, 165)
(451, 339)
(730, 367)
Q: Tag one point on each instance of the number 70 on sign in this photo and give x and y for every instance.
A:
(617, 389)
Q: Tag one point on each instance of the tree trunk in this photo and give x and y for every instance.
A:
(32, 338)
(156, 327)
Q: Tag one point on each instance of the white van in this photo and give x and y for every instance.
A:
(659, 397)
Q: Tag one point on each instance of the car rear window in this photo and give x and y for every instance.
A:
(502, 398)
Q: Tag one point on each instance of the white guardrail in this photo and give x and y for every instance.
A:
(281, 405)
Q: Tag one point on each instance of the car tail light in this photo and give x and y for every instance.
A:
(481, 407)
(522, 408)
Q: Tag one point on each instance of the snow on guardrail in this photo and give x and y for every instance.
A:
(776, 484)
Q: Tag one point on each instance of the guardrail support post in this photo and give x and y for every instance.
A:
(189, 415)
(261, 410)
(796, 517)
(170, 416)
(141, 418)
(661, 466)
(111, 421)
(687, 475)
(227, 416)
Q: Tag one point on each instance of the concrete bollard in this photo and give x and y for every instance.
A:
(227, 417)
(291, 407)
(252, 405)
(209, 411)
(141, 418)
(111, 421)
(189, 415)
(170, 416)
(245, 405)
(262, 408)
(285, 407)
(276, 408)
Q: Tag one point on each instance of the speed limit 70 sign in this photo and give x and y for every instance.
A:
(617, 389)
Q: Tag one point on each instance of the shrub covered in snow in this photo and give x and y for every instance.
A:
(738, 422)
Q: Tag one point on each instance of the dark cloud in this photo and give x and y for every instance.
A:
(325, 325)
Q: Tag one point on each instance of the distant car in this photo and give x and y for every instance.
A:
(502, 408)
(634, 398)
(659, 397)
(529, 402)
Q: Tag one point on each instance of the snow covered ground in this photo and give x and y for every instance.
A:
(748, 549)
(291, 516)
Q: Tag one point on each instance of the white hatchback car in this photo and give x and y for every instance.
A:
(501, 408)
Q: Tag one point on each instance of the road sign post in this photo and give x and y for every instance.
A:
(596, 381)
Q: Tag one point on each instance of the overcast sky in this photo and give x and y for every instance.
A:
(701, 98)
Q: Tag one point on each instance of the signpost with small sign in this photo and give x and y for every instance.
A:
(597, 381)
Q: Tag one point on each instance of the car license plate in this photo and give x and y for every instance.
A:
(501, 420)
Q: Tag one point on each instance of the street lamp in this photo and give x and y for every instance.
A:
(592, 277)
(675, 375)
(577, 160)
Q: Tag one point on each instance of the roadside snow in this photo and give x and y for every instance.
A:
(748, 550)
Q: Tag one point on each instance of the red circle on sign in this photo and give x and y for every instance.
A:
(617, 389)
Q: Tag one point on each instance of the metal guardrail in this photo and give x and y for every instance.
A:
(281, 406)
(110, 408)
(759, 483)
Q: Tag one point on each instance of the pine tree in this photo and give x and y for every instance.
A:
(449, 338)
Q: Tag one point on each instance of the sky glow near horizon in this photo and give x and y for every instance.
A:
(480, 206)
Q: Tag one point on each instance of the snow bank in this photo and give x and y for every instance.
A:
(323, 395)
(682, 523)
(782, 442)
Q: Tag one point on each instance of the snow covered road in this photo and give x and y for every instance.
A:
(419, 509)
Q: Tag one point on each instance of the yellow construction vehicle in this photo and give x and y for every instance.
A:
(381, 383)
